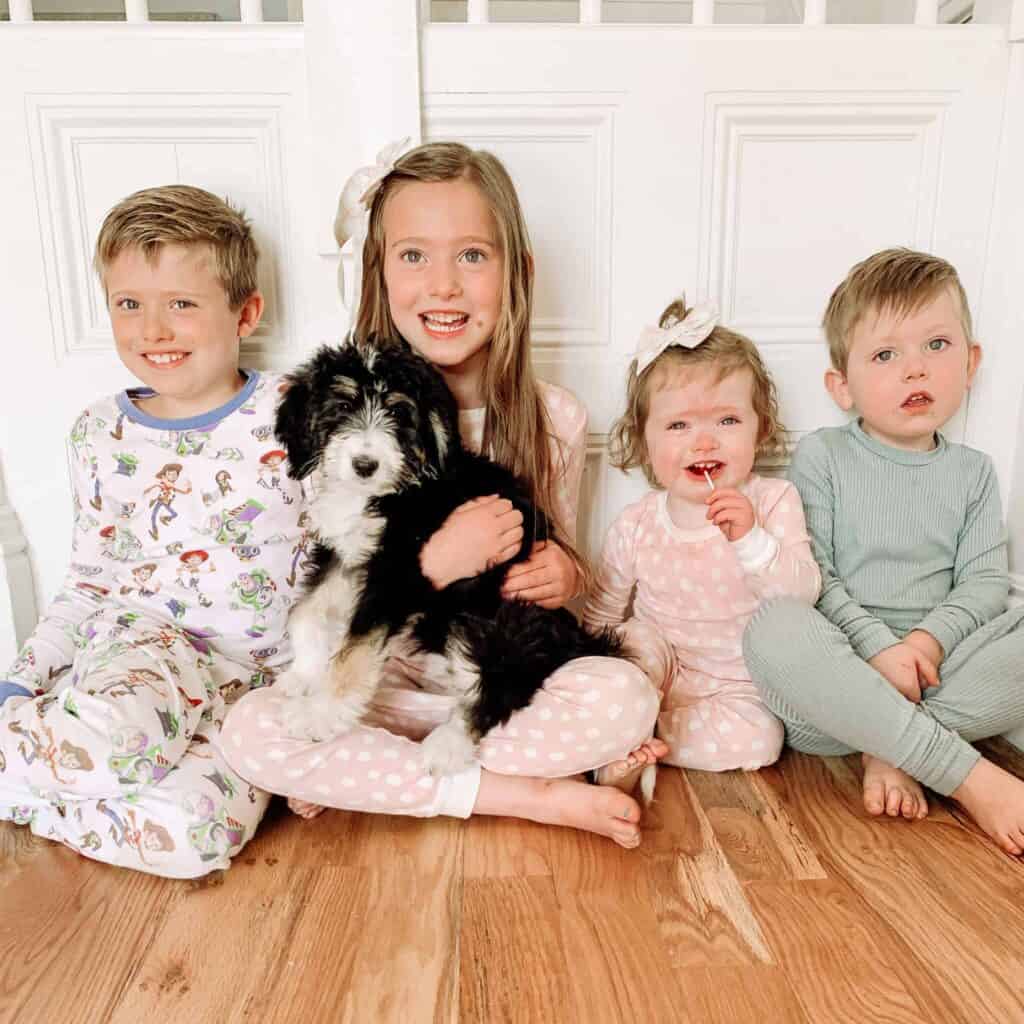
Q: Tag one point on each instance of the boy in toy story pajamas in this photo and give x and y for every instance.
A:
(181, 579)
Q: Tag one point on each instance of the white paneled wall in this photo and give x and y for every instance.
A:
(750, 165)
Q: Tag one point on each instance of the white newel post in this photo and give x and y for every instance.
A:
(17, 591)
(363, 70)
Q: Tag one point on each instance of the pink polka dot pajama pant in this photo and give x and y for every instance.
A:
(717, 725)
(590, 712)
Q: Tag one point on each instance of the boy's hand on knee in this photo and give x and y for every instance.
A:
(924, 642)
(906, 668)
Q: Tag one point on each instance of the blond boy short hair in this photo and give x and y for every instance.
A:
(183, 215)
(893, 280)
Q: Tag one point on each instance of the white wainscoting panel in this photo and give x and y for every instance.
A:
(845, 173)
(90, 152)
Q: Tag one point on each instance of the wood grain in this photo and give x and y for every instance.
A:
(764, 898)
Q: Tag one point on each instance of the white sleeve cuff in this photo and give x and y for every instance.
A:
(456, 794)
(756, 550)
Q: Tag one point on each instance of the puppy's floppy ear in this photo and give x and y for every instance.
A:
(296, 420)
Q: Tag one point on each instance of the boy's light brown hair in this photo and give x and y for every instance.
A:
(897, 281)
(183, 215)
(725, 352)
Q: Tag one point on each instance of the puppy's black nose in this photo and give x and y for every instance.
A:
(364, 465)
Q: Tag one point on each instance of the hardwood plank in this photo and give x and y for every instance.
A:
(71, 932)
(512, 966)
(740, 995)
(406, 965)
(836, 954)
(505, 848)
(619, 969)
(756, 833)
(253, 912)
(935, 884)
(703, 914)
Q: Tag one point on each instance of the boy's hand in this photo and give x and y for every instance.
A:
(731, 512)
(477, 536)
(907, 669)
(926, 644)
(547, 578)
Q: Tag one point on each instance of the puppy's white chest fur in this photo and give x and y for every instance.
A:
(341, 519)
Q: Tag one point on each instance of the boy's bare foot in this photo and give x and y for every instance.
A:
(625, 774)
(888, 790)
(303, 808)
(995, 800)
(570, 802)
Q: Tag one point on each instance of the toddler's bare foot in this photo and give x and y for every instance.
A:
(601, 809)
(888, 790)
(625, 774)
(303, 808)
(995, 800)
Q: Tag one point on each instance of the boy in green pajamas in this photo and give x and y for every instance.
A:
(910, 654)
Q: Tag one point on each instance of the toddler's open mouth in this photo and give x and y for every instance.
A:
(702, 470)
(917, 400)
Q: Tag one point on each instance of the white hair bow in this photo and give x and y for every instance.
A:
(688, 332)
(353, 217)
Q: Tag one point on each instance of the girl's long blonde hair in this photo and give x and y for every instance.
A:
(517, 428)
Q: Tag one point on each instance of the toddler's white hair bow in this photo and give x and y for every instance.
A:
(353, 217)
(688, 332)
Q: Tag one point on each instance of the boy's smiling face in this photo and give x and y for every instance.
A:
(906, 376)
(175, 330)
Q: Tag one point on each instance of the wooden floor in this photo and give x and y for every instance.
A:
(754, 898)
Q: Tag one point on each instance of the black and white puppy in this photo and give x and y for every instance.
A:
(376, 428)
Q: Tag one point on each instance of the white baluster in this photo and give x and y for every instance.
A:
(927, 12)
(815, 12)
(478, 12)
(252, 11)
(590, 12)
(136, 10)
(21, 10)
(703, 12)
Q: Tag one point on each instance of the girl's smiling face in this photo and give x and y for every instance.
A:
(699, 427)
(444, 272)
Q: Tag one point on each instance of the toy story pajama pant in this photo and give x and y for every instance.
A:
(590, 712)
(121, 759)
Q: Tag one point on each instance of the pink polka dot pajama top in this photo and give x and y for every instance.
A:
(590, 712)
(700, 591)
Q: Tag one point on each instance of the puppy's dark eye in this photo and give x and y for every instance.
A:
(395, 400)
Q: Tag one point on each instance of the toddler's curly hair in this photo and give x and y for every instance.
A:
(725, 351)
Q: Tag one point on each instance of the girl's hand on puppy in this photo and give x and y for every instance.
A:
(731, 512)
(549, 577)
(478, 535)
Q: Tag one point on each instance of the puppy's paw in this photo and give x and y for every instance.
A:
(320, 717)
(292, 684)
(300, 720)
(448, 749)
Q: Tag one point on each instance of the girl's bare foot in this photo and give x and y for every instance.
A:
(888, 790)
(601, 809)
(625, 774)
(995, 800)
(303, 808)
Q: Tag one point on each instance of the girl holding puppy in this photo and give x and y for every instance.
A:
(698, 554)
(448, 267)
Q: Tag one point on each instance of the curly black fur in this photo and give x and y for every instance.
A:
(515, 645)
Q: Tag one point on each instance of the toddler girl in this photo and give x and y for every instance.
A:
(448, 267)
(713, 541)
